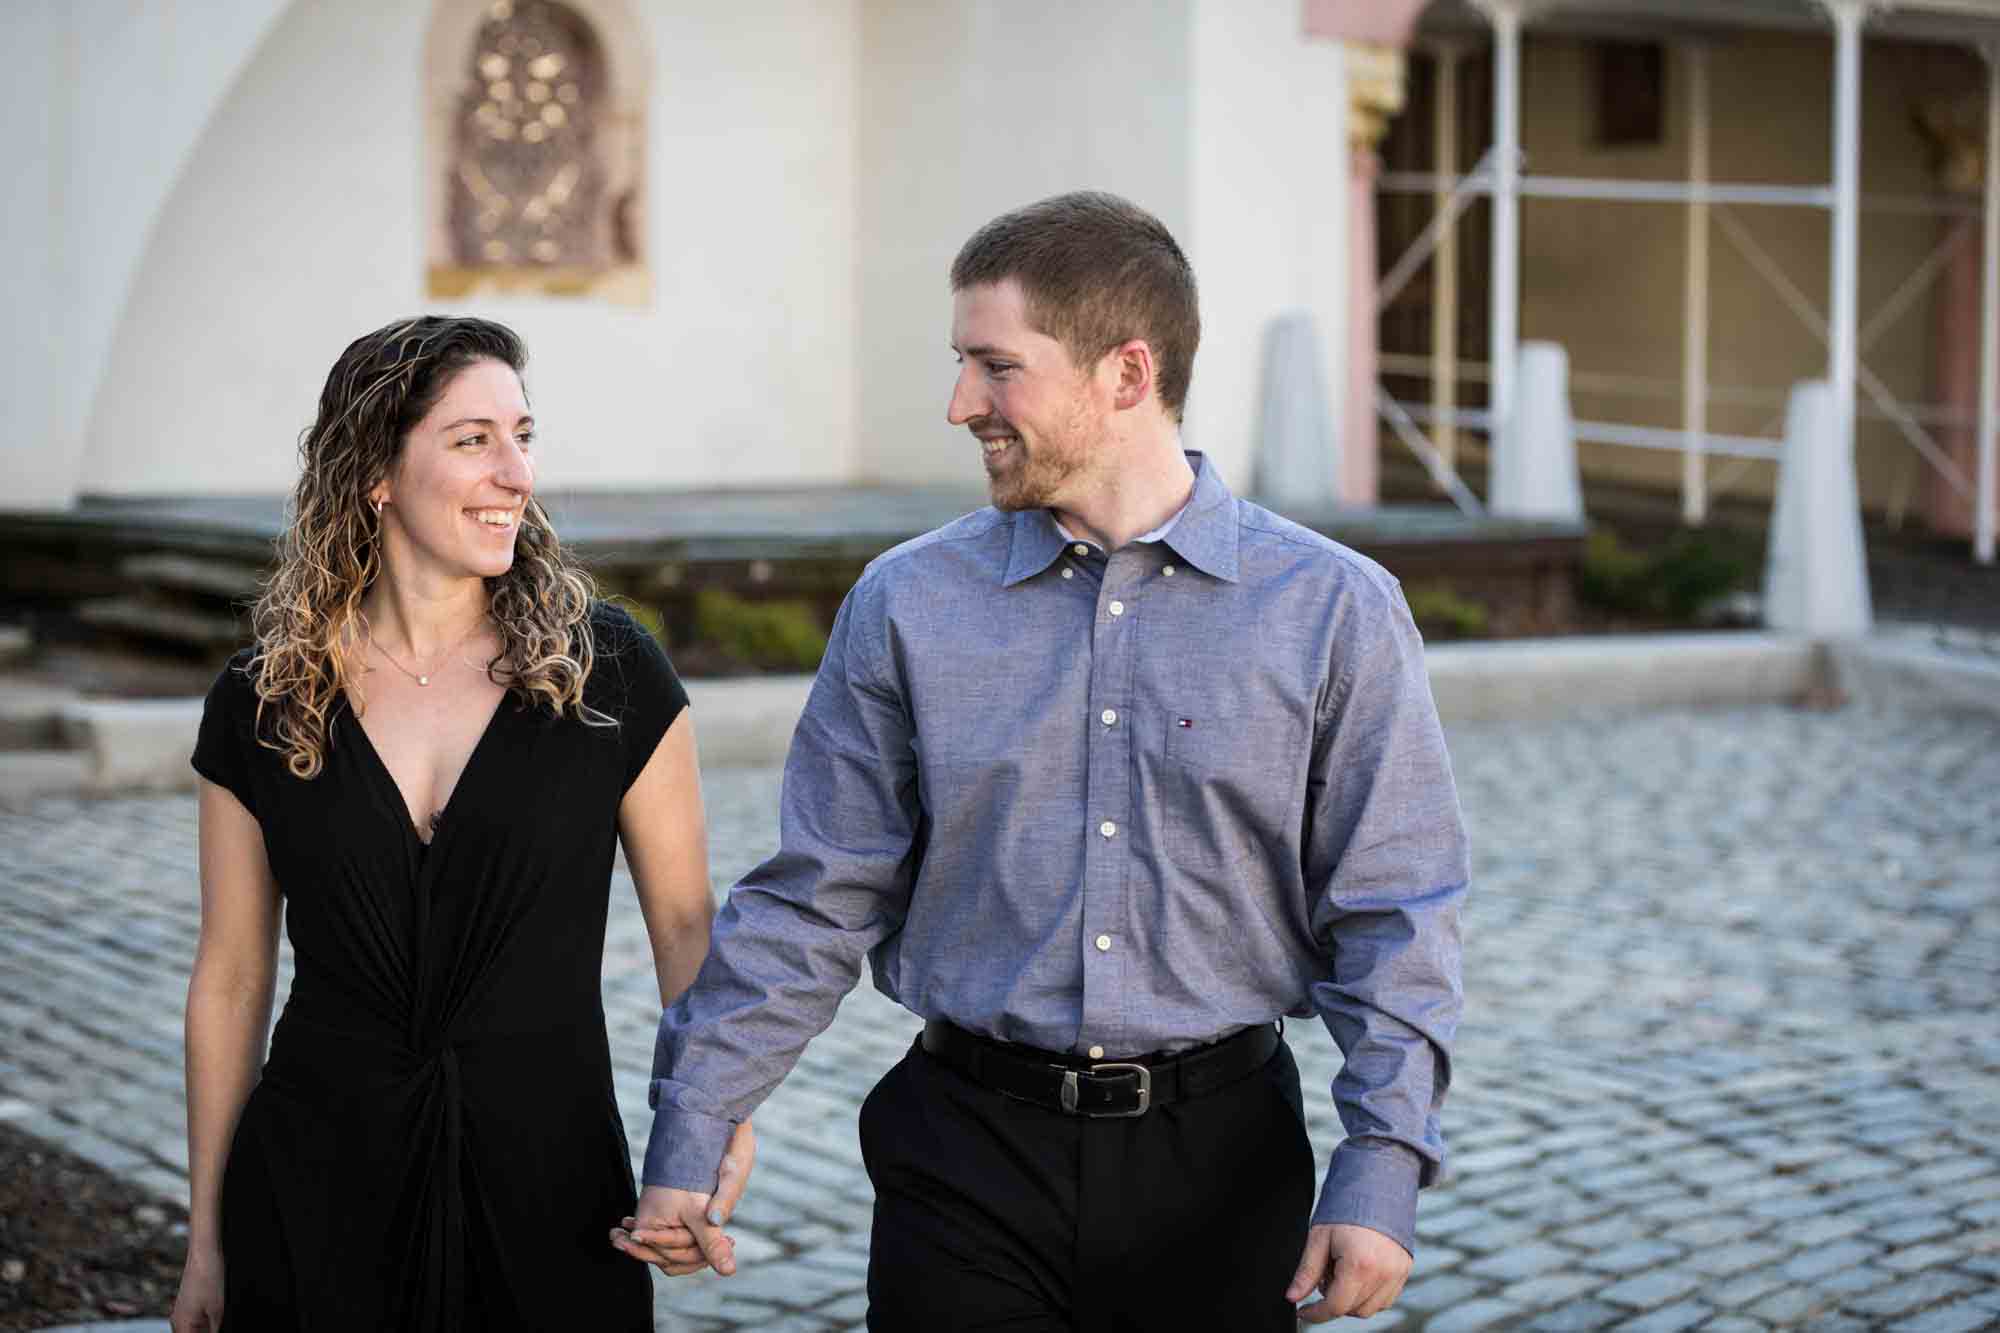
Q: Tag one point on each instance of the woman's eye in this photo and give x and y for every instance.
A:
(525, 439)
(473, 439)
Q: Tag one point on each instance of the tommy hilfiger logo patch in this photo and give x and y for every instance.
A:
(1184, 722)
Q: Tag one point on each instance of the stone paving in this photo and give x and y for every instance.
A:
(1731, 1060)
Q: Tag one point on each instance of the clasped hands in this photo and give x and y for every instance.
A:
(680, 1231)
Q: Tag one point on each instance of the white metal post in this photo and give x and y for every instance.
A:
(1444, 264)
(1694, 346)
(1842, 317)
(1505, 295)
(1989, 323)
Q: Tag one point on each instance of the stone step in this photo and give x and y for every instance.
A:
(28, 775)
(149, 619)
(188, 573)
(31, 714)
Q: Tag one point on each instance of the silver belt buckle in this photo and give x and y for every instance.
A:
(1069, 1090)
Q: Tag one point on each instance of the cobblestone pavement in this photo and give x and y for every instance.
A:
(1731, 1062)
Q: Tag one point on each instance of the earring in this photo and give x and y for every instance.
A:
(378, 508)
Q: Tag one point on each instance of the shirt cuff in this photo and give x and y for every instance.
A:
(1373, 1184)
(685, 1149)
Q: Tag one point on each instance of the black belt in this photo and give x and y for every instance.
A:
(1075, 1086)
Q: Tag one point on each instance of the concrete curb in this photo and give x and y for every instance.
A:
(1915, 673)
(747, 721)
(135, 744)
(1551, 678)
(143, 745)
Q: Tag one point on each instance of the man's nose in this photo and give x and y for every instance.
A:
(968, 397)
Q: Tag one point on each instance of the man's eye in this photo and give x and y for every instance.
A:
(998, 368)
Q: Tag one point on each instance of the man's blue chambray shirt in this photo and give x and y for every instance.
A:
(1135, 802)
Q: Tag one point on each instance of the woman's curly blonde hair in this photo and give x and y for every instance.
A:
(309, 610)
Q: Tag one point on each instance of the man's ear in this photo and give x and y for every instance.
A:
(1132, 361)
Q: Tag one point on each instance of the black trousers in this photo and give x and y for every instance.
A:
(992, 1213)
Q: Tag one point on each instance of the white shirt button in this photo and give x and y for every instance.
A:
(1118, 608)
(1069, 573)
(1108, 829)
(1103, 943)
(1097, 1052)
(1080, 549)
(1169, 571)
(1110, 717)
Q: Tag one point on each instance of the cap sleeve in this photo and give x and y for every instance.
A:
(645, 693)
(223, 748)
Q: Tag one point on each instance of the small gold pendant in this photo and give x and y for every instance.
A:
(423, 680)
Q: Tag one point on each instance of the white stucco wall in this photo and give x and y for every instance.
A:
(1215, 114)
(35, 356)
(813, 168)
(298, 225)
(108, 99)
(1268, 181)
(966, 111)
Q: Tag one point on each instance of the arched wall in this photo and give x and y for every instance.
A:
(110, 100)
(299, 224)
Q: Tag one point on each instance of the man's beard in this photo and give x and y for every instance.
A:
(1034, 478)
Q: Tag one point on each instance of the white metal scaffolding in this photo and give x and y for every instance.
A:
(1499, 175)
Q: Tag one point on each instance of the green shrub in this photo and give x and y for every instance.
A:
(647, 615)
(1695, 570)
(779, 635)
(1676, 581)
(1442, 613)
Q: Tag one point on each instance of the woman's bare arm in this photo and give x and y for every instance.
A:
(665, 835)
(666, 846)
(229, 996)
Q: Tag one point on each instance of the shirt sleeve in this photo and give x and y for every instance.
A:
(789, 943)
(649, 694)
(225, 744)
(1386, 865)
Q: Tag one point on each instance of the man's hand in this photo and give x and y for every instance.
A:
(1358, 1272)
(680, 1231)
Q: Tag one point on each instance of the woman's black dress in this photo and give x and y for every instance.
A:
(434, 1144)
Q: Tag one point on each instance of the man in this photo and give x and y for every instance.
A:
(1104, 781)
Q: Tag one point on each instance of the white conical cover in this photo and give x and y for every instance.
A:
(1534, 472)
(1816, 564)
(1298, 461)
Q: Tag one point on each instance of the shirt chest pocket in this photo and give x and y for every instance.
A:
(1228, 792)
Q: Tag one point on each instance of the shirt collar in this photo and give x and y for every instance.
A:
(1157, 534)
(1203, 533)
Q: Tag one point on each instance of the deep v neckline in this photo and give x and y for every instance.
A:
(395, 788)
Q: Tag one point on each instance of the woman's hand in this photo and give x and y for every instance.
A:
(198, 1306)
(681, 1246)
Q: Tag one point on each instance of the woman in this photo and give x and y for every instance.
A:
(428, 757)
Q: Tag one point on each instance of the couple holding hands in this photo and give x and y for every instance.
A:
(1102, 782)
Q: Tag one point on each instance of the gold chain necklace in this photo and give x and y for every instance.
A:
(423, 678)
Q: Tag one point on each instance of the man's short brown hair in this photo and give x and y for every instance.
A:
(1096, 271)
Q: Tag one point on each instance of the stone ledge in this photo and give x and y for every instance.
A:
(1523, 679)
(144, 744)
(1912, 672)
(28, 775)
(135, 744)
